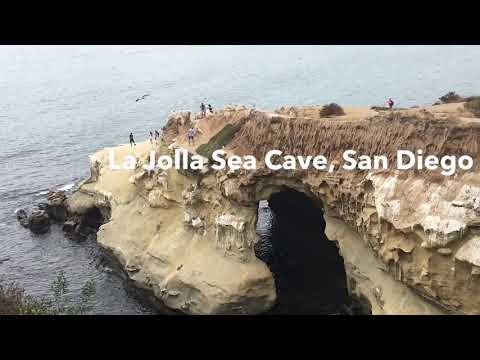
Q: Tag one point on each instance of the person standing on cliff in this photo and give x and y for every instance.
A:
(157, 135)
(390, 103)
(191, 136)
(210, 109)
(132, 142)
(202, 109)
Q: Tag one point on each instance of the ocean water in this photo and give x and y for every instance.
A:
(58, 104)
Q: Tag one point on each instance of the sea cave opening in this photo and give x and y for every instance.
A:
(93, 218)
(308, 268)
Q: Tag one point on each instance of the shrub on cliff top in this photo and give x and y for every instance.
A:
(451, 97)
(473, 105)
(331, 110)
(222, 138)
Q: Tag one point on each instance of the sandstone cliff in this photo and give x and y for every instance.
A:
(409, 240)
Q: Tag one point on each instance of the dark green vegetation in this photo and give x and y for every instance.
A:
(14, 301)
(331, 110)
(451, 97)
(222, 138)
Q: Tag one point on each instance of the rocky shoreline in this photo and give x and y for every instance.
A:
(79, 226)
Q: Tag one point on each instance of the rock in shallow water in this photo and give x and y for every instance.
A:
(57, 212)
(39, 222)
(69, 226)
(56, 208)
(22, 218)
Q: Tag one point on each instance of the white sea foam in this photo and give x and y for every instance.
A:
(66, 187)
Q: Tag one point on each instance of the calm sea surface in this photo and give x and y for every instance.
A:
(58, 104)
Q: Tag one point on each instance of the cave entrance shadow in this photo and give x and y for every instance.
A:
(93, 218)
(308, 268)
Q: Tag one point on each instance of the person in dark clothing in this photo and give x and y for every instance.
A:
(390, 103)
(202, 109)
(132, 142)
(157, 135)
(210, 109)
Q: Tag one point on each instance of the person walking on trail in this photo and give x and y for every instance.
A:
(157, 135)
(203, 109)
(210, 109)
(191, 136)
(390, 103)
(132, 142)
(151, 137)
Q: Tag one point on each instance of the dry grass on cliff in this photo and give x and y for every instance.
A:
(383, 134)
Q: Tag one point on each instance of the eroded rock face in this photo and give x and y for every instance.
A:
(163, 230)
(412, 222)
(177, 123)
(409, 241)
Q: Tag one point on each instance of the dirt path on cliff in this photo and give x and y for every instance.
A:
(207, 128)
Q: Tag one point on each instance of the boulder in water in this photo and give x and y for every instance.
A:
(83, 229)
(56, 197)
(39, 222)
(69, 226)
(57, 213)
(56, 206)
(22, 218)
(42, 206)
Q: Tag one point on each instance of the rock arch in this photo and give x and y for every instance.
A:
(351, 218)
